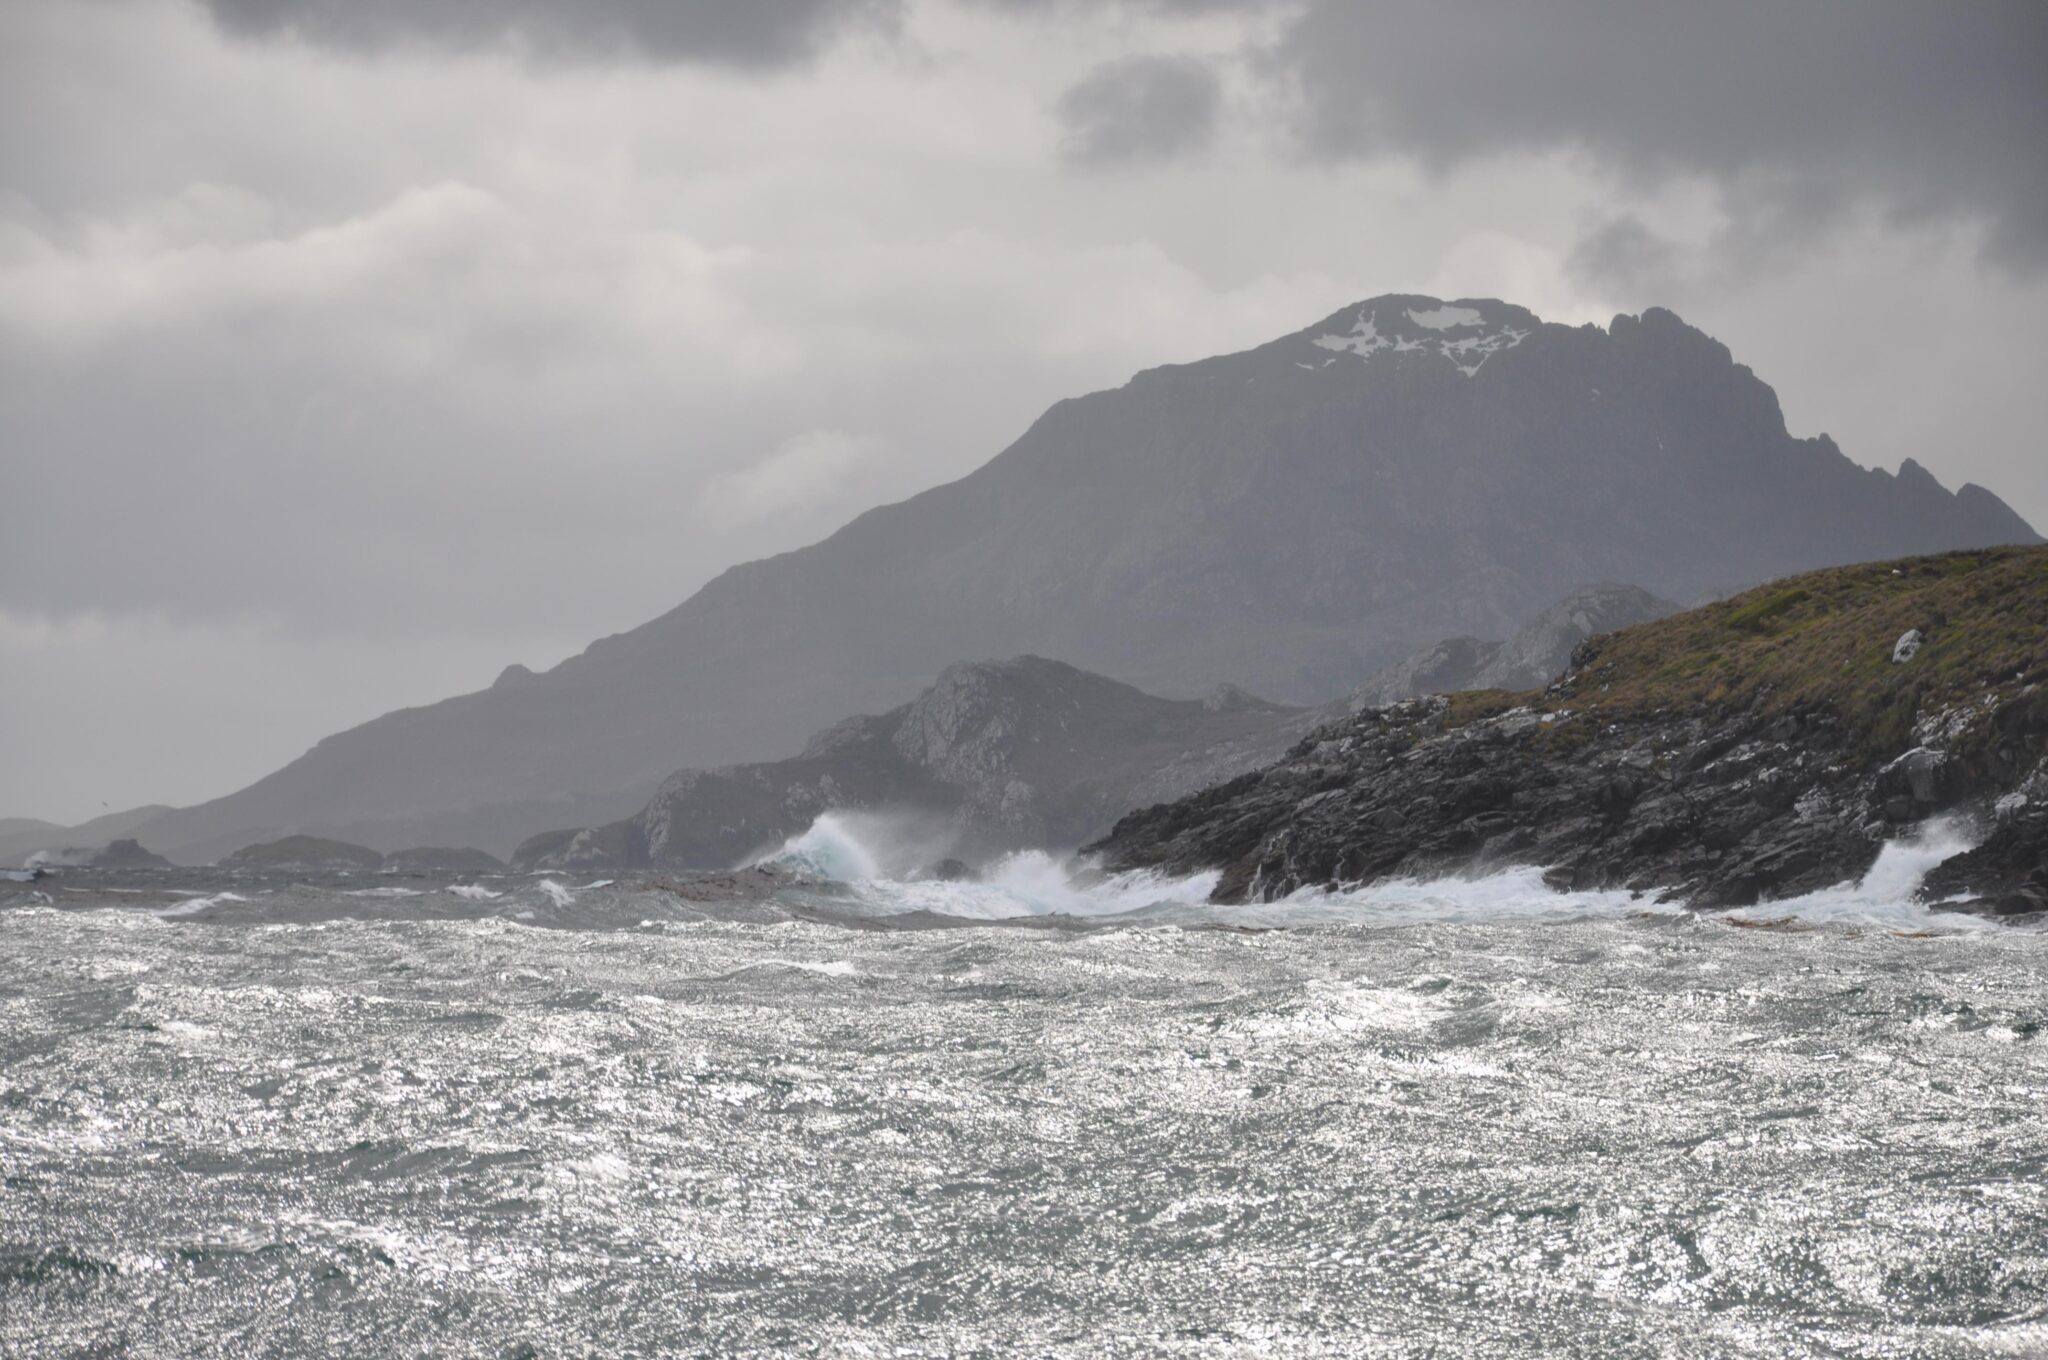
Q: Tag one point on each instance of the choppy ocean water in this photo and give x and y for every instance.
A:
(539, 1116)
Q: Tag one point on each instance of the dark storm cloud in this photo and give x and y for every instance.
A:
(1623, 253)
(1140, 108)
(1798, 111)
(745, 33)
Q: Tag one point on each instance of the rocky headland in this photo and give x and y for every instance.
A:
(1757, 748)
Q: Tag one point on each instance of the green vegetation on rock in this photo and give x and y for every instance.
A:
(1826, 639)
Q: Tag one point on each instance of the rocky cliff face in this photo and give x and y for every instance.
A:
(1759, 748)
(993, 756)
(1291, 518)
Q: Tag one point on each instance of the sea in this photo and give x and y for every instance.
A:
(815, 1110)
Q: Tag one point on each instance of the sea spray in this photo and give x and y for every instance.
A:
(1888, 892)
(828, 848)
(1032, 883)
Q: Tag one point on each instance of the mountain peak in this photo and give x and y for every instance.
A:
(1396, 326)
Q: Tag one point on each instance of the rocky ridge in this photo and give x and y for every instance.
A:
(994, 756)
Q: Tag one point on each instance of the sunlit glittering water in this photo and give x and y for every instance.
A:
(317, 1124)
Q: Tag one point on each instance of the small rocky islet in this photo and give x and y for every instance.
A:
(1762, 747)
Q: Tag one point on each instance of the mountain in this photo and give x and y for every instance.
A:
(1290, 518)
(1531, 659)
(1761, 747)
(994, 756)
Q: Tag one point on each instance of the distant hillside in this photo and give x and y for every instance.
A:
(1291, 518)
(994, 756)
(1759, 747)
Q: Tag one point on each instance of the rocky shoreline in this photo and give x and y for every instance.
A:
(1754, 795)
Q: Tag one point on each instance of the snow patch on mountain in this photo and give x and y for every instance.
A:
(1447, 318)
(1428, 330)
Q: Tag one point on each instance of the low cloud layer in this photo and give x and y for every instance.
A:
(1140, 109)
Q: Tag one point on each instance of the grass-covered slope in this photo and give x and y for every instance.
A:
(1826, 638)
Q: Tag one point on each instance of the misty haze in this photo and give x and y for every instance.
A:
(986, 677)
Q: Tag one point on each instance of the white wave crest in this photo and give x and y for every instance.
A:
(829, 848)
(1887, 894)
(193, 905)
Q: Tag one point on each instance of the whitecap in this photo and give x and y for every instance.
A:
(192, 905)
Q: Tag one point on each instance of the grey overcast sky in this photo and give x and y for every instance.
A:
(352, 349)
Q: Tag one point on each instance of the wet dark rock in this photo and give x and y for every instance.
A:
(2005, 874)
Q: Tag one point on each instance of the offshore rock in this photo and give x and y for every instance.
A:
(128, 854)
(310, 853)
(431, 859)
